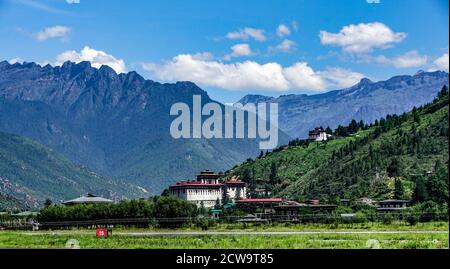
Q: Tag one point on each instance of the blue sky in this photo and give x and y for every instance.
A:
(232, 48)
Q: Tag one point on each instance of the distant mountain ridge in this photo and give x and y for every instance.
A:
(365, 101)
(115, 124)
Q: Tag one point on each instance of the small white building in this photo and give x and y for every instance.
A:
(318, 134)
(207, 188)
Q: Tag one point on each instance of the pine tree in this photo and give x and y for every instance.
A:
(443, 92)
(48, 202)
(361, 124)
(353, 127)
(399, 191)
(416, 117)
(225, 196)
(420, 191)
(261, 154)
(395, 168)
(273, 173)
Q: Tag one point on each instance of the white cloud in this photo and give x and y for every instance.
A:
(407, 60)
(373, 1)
(15, 60)
(341, 77)
(362, 38)
(203, 56)
(441, 63)
(239, 50)
(285, 46)
(72, 1)
(250, 75)
(57, 31)
(283, 30)
(96, 57)
(247, 33)
(301, 76)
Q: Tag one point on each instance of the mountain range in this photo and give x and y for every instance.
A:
(118, 124)
(367, 101)
(115, 124)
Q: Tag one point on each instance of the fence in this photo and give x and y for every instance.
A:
(258, 218)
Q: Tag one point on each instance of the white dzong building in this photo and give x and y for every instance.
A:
(207, 188)
(318, 134)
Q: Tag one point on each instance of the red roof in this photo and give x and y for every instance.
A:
(260, 200)
(195, 184)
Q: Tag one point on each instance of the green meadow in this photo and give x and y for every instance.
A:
(433, 235)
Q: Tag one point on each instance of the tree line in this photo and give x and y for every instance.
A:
(153, 208)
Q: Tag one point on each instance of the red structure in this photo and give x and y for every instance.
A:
(103, 232)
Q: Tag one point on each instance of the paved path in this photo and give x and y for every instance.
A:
(238, 233)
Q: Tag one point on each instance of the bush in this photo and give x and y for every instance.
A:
(343, 210)
(412, 219)
(204, 222)
(387, 218)
(360, 217)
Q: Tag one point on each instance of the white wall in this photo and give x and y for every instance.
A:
(208, 195)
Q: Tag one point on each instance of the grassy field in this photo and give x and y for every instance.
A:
(429, 235)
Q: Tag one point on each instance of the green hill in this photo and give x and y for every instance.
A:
(402, 156)
(31, 173)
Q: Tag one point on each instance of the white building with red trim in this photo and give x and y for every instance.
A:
(318, 134)
(207, 188)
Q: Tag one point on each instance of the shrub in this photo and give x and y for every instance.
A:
(204, 222)
(360, 217)
(412, 219)
(387, 218)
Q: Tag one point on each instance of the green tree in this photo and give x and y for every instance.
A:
(415, 115)
(437, 184)
(48, 202)
(225, 196)
(395, 168)
(165, 192)
(172, 207)
(443, 92)
(217, 205)
(273, 173)
(261, 154)
(420, 193)
(399, 191)
(353, 127)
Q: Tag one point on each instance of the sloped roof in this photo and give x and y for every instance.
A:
(88, 199)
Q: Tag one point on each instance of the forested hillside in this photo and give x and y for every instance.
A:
(31, 173)
(400, 156)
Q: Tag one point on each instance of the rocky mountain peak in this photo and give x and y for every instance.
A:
(365, 81)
